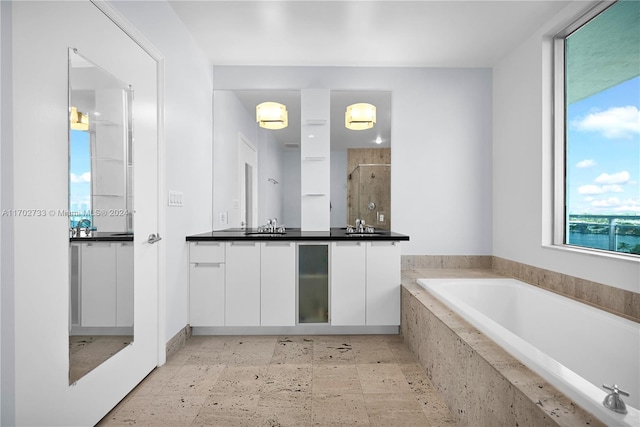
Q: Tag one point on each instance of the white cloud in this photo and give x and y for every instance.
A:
(599, 189)
(612, 189)
(78, 179)
(609, 203)
(586, 163)
(616, 122)
(616, 178)
(590, 189)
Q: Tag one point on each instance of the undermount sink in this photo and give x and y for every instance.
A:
(371, 233)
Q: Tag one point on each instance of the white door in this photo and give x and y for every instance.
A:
(247, 183)
(40, 173)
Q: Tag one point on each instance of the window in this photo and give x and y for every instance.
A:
(79, 177)
(598, 118)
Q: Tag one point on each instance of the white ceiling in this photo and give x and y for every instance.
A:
(430, 33)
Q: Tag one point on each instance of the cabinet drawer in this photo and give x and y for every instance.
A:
(206, 252)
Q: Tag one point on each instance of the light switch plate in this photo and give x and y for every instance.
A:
(222, 218)
(175, 198)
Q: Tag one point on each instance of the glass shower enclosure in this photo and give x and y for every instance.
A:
(369, 195)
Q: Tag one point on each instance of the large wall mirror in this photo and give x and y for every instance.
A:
(360, 160)
(100, 215)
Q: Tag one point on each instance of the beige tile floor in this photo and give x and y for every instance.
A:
(370, 380)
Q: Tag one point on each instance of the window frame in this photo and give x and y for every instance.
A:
(559, 224)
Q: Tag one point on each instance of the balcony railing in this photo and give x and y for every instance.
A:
(623, 232)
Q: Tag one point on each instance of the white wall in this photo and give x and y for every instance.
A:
(441, 145)
(523, 166)
(188, 152)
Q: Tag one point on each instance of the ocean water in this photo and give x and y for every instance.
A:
(601, 241)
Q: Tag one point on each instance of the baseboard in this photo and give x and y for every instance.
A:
(178, 341)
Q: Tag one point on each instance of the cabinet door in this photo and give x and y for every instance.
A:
(206, 294)
(242, 287)
(124, 284)
(313, 283)
(348, 283)
(98, 285)
(277, 284)
(383, 283)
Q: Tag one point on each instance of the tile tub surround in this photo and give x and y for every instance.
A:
(480, 382)
(411, 262)
(286, 381)
(614, 300)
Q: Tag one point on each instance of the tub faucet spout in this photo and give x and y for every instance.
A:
(613, 401)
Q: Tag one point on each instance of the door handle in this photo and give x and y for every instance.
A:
(153, 238)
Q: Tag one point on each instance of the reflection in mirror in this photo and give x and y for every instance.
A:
(100, 215)
(361, 183)
(279, 163)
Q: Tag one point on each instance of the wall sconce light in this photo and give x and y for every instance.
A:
(272, 115)
(79, 121)
(360, 116)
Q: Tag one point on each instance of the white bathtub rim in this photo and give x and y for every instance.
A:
(582, 392)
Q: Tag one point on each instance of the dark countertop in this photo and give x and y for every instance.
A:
(104, 236)
(293, 234)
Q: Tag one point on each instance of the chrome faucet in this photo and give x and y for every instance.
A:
(613, 401)
(271, 227)
(359, 225)
(78, 227)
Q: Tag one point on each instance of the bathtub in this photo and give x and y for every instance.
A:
(573, 346)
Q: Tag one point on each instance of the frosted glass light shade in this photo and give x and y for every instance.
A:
(272, 115)
(79, 121)
(360, 116)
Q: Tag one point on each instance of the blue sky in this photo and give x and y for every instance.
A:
(79, 170)
(603, 154)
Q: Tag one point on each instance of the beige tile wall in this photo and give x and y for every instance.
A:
(615, 300)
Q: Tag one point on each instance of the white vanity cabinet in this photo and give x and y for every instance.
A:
(242, 288)
(383, 283)
(106, 284)
(348, 283)
(365, 283)
(206, 283)
(299, 284)
(124, 284)
(277, 283)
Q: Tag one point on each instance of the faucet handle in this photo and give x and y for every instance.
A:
(614, 388)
